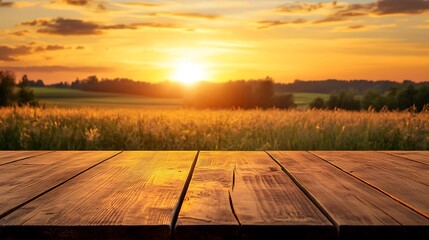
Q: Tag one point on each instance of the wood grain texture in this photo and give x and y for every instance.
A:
(359, 211)
(251, 186)
(23, 180)
(13, 156)
(206, 211)
(418, 156)
(232, 195)
(405, 180)
(130, 196)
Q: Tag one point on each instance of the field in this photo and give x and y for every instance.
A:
(74, 98)
(302, 100)
(180, 129)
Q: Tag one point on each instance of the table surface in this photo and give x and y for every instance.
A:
(214, 195)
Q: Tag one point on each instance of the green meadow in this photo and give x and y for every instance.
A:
(61, 97)
(302, 100)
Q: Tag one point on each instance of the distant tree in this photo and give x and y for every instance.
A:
(7, 84)
(92, 83)
(25, 95)
(40, 83)
(391, 97)
(76, 84)
(333, 101)
(32, 83)
(332, 85)
(401, 97)
(375, 100)
(422, 98)
(405, 96)
(317, 103)
(264, 93)
(61, 85)
(24, 80)
(235, 94)
(346, 100)
(285, 101)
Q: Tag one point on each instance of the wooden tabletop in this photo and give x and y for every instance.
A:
(214, 195)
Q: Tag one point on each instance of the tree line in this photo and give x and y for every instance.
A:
(126, 86)
(400, 97)
(334, 85)
(238, 94)
(244, 94)
(233, 94)
(9, 96)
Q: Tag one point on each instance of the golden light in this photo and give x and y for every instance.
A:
(189, 72)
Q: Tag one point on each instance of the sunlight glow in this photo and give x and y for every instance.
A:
(189, 72)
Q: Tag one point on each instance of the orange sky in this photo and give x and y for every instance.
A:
(61, 40)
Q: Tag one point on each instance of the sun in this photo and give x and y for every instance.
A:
(188, 72)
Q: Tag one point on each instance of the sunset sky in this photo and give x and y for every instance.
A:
(61, 40)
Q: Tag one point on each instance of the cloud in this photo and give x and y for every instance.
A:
(299, 7)
(380, 7)
(142, 4)
(77, 2)
(57, 68)
(63, 26)
(354, 28)
(82, 3)
(402, 6)
(49, 48)
(274, 23)
(6, 4)
(189, 15)
(156, 25)
(19, 33)
(10, 53)
(352, 10)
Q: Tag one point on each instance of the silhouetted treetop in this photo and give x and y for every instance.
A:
(334, 85)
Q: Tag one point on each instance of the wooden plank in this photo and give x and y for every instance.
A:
(247, 195)
(358, 210)
(24, 180)
(206, 212)
(13, 156)
(130, 196)
(405, 180)
(269, 205)
(418, 156)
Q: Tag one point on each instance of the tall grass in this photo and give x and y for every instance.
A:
(181, 129)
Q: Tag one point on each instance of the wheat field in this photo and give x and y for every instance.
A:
(188, 129)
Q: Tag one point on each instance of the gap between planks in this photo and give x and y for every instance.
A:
(341, 195)
(308, 194)
(403, 157)
(25, 158)
(56, 186)
(374, 186)
(182, 196)
(239, 224)
(178, 206)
